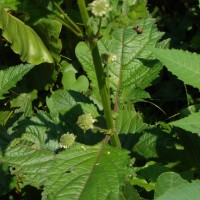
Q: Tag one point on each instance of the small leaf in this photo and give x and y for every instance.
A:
(187, 191)
(130, 193)
(185, 65)
(167, 182)
(61, 101)
(152, 143)
(70, 82)
(152, 170)
(24, 102)
(10, 76)
(142, 183)
(190, 123)
(24, 40)
(50, 37)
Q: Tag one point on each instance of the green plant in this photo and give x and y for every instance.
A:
(78, 128)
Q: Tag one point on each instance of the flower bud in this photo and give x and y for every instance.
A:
(86, 122)
(67, 140)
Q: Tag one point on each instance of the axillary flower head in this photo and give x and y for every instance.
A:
(100, 8)
(67, 140)
(108, 58)
(86, 122)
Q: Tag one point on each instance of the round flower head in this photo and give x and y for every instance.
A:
(100, 8)
(67, 140)
(86, 122)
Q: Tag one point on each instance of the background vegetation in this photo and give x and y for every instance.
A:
(148, 149)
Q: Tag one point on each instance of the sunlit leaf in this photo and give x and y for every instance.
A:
(185, 65)
(9, 77)
(85, 172)
(24, 40)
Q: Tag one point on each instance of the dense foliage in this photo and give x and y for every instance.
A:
(99, 99)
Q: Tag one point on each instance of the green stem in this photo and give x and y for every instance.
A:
(68, 26)
(100, 74)
(85, 17)
(71, 24)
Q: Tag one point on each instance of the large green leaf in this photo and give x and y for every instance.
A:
(190, 123)
(9, 77)
(24, 40)
(85, 172)
(131, 50)
(30, 148)
(185, 65)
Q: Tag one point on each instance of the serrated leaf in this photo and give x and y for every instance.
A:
(185, 192)
(85, 172)
(9, 77)
(29, 163)
(167, 182)
(185, 65)
(190, 123)
(24, 103)
(42, 130)
(130, 49)
(128, 124)
(24, 40)
(30, 149)
(61, 101)
(129, 121)
(152, 143)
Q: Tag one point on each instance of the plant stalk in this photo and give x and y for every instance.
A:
(100, 74)
(70, 24)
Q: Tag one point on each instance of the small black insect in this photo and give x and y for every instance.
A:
(138, 29)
